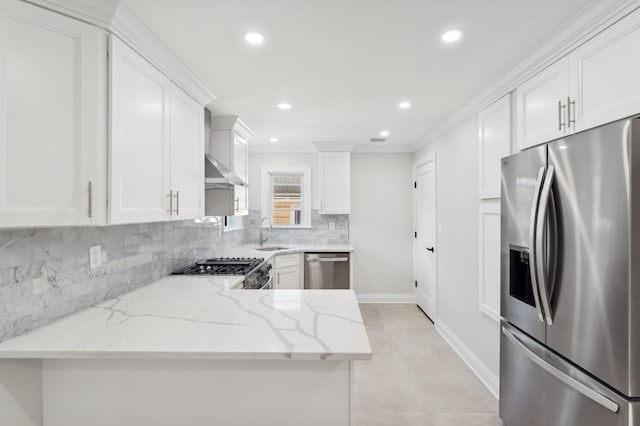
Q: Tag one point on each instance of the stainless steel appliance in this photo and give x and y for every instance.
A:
(570, 272)
(257, 272)
(327, 270)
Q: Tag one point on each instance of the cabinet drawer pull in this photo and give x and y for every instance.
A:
(177, 203)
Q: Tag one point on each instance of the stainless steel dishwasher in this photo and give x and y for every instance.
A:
(326, 270)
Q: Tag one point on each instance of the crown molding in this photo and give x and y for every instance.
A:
(591, 20)
(115, 17)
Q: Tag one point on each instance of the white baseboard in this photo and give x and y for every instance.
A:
(385, 298)
(485, 375)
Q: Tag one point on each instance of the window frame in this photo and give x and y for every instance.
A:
(267, 193)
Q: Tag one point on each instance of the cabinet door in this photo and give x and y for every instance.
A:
(288, 278)
(187, 156)
(604, 75)
(52, 118)
(241, 157)
(494, 135)
(139, 149)
(335, 182)
(489, 258)
(542, 106)
(241, 201)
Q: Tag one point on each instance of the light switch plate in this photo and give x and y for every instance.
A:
(332, 226)
(95, 257)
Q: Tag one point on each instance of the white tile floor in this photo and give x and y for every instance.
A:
(415, 377)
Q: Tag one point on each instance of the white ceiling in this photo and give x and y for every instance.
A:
(345, 64)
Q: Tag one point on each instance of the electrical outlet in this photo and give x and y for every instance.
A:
(95, 257)
(332, 226)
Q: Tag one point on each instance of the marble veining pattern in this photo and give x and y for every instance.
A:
(182, 317)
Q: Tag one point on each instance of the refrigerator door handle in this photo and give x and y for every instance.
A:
(541, 245)
(564, 378)
(532, 243)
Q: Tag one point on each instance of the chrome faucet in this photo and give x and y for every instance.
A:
(263, 240)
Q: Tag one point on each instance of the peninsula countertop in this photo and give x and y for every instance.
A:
(195, 317)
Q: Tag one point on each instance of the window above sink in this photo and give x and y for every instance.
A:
(286, 196)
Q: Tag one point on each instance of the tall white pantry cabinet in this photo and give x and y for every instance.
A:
(65, 86)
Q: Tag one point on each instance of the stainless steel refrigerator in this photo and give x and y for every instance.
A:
(570, 281)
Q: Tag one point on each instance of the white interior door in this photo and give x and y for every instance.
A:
(425, 250)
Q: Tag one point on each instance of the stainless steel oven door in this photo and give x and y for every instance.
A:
(522, 183)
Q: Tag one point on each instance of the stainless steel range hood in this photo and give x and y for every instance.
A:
(218, 174)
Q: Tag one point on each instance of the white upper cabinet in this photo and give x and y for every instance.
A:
(541, 104)
(595, 84)
(605, 75)
(157, 144)
(494, 143)
(334, 175)
(187, 156)
(140, 137)
(53, 72)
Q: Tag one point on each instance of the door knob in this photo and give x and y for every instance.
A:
(431, 249)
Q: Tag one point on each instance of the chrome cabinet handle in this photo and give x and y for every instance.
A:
(532, 243)
(561, 124)
(563, 377)
(237, 205)
(541, 246)
(170, 195)
(278, 279)
(569, 119)
(90, 210)
(431, 249)
(177, 203)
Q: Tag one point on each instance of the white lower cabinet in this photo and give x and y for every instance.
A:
(53, 89)
(157, 144)
(288, 272)
(489, 261)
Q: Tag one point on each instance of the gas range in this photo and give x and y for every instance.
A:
(256, 270)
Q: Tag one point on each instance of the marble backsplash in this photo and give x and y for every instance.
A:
(45, 273)
(319, 232)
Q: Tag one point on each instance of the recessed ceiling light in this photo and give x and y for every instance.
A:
(451, 36)
(284, 105)
(254, 38)
(404, 105)
(273, 139)
(384, 133)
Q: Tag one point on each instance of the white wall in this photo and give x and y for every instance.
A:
(381, 224)
(457, 211)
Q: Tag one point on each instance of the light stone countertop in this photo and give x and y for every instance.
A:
(187, 317)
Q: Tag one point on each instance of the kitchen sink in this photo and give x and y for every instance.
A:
(271, 248)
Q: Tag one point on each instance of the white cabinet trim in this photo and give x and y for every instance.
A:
(487, 208)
